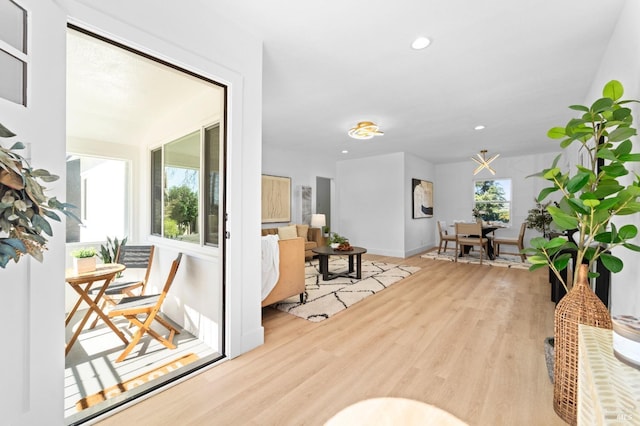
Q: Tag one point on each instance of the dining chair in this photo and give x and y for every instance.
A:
(148, 306)
(445, 237)
(470, 234)
(518, 242)
(139, 257)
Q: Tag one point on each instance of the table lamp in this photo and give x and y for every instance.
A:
(318, 221)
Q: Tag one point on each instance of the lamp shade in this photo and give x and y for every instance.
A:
(318, 221)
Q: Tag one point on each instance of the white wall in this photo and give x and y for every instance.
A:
(302, 168)
(453, 192)
(370, 198)
(622, 62)
(419, 234)
(373, 196)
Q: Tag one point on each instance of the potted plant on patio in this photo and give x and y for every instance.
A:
(588, 197)
(24, 207)
(84, 260)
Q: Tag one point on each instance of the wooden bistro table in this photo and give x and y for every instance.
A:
(82, 284)
(323, 256)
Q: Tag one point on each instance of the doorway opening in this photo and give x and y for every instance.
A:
(323, 198)
(146, 144)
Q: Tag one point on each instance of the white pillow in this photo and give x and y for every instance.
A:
(287, 232)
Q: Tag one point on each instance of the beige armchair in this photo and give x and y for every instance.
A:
(291, 266)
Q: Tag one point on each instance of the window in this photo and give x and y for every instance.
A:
(88, 180)
(492, 200)
(176, 179)
(13, 52)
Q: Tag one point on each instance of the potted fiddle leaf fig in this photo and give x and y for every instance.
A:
(539, 218)
(25, 209)
(591, 195)
(588, 198)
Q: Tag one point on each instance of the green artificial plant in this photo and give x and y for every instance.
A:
(109, 252)
(539, 218)
(84, 252)
(335, 238)
(591, 195)
(24, 207)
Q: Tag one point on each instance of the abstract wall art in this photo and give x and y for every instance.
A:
(422, 192)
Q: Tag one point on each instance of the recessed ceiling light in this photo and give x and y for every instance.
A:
(420, 43)
(345, 152)
(479, 127)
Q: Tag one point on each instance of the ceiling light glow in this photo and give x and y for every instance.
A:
(483, 163)
(365, 130)
(479, 127)
(345, 151)
(420, 43)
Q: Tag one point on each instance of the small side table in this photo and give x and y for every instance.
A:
(105, 273)
(323, 258)
(608, 389)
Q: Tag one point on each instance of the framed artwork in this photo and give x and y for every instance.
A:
(305, 192)
(276, 199)
(422, 193)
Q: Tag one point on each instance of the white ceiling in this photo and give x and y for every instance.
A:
(117, 96)
(511, 65)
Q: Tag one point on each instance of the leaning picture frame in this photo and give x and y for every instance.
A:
(276, 199)
(422, 199)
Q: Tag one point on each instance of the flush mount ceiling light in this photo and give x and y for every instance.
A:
(483, 163)
(365, 130)
(420, 43)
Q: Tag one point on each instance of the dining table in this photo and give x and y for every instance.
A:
(82, 283)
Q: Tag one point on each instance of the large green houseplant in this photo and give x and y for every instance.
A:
(588, 198)
(24, 207)
(592, 194)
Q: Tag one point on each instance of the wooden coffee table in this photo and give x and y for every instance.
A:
(323, 257)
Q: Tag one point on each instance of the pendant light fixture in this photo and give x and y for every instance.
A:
(483, 163)
(365, 130)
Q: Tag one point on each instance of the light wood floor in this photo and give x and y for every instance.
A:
(465, 338)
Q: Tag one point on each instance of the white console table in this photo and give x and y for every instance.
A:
(608, 390)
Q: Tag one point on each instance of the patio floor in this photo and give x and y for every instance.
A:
(90, 365)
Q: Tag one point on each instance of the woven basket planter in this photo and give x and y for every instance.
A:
(579, 306)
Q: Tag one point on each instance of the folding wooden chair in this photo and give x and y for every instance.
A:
(133, 257)
(149, 306)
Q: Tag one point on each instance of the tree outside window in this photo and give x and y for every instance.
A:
(179, 209)
(492, 200)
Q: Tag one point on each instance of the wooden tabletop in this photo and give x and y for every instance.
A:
(326, 250)
(102, 271)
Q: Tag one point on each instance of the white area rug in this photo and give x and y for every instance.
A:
(504, 260)
(327, 298)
